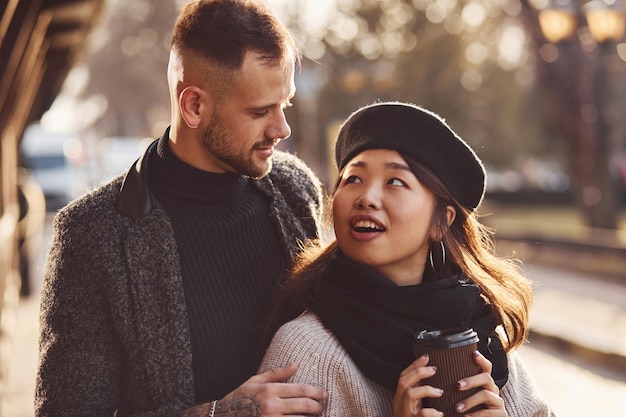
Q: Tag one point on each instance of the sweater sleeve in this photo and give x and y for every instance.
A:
(521, 395)
(324, 363)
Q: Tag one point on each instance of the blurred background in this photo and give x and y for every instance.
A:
(537, 87)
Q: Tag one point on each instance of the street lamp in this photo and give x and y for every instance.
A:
(558, 22)
(581, 81)
(606, 21)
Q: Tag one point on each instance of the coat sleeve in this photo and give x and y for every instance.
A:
(302, 191)
(323, 362)
(79, 361)
(521, 395)
(86, 362)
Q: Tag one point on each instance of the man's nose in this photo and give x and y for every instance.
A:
(279, 129)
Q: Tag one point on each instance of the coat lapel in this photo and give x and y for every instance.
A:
(157, 317)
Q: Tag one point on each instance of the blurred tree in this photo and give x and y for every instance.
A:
(466, 60)
(127, 66)
(583, 82)
(479, 64)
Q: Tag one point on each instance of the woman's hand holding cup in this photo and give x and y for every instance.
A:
(408, 400)
(488, 396)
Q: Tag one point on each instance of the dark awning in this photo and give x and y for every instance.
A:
(40, 40)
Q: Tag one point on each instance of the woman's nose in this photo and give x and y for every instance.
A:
(369, 199)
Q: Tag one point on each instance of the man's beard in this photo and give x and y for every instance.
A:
(217, 141)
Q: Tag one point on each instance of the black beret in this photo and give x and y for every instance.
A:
(422, 134)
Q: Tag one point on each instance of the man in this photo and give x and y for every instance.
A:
(156, 283)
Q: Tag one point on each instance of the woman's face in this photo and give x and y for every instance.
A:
(382, 215)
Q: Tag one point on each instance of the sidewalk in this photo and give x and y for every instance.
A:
(19, 386)
(581, 315)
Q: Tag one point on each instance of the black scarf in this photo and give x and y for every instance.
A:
(376, 320)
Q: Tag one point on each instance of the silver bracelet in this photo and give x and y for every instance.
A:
(213, 405)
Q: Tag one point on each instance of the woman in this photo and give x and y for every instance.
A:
(409, 255)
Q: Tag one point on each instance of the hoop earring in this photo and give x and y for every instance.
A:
(443, 258)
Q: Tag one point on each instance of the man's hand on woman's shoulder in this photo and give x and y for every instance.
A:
(266, 395)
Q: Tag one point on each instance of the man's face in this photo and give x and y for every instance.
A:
(250, 120)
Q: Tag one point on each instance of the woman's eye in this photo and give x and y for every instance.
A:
(351, 179)
(397, 182)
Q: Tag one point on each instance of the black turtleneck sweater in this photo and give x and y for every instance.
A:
(231, 262)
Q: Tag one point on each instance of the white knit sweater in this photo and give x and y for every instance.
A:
(325, 363)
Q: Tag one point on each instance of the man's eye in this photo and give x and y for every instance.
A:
(262, 113)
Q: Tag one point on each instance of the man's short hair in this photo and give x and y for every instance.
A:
(223, 31)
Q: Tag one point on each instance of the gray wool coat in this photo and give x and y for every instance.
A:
(114, 337)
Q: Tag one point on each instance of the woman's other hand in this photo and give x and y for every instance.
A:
(488, 396)
(408, 399)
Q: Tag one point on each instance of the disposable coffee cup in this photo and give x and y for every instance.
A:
(451, 351)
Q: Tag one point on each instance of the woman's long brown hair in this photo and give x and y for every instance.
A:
(469, 244)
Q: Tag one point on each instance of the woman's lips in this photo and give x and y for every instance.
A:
(365, 228)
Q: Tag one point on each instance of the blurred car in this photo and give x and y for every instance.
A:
(115, 154)
(43, 155)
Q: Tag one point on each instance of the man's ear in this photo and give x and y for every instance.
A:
(193, 102)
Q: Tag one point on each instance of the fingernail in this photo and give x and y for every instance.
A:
(459, 407)
(439, 391)
(432, 369)
(461, 384)
(476, 353)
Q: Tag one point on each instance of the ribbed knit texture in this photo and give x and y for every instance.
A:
(325, 363)
(231, 262)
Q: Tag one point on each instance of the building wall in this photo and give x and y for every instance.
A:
(39, 42)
